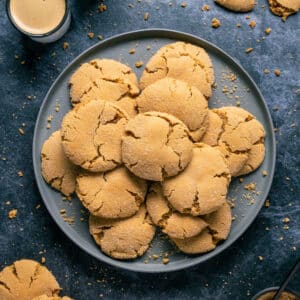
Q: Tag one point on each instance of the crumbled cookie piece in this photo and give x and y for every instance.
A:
(131, 51)
(21, 131)
(183, 4)
(65, 45)
(146, 16)
(13, 213)
(139, 64)
(102, 7)
(252, 24)
(165, 260)
(268, 30)
(250, 186)
(215, 23)
(284, 8)
(248, 50)
(91, 35)
(266, 71)
(277, 72)
(20, 173)
(205, 7)
(260, 258)
(264, 173)
(267, 203)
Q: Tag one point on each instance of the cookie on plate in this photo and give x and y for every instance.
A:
(156, 145)
(239, 136)
(237, 5)
(105, 79)
(179, 99)
(91, 135)
(219, 223)
(284, 8)
(113, 194)
(202, 187)
(125, 238)
(174, 224)
(45, 297)
(57, 169)
(183, 61)
(26, 279)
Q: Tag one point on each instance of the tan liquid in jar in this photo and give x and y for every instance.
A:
(37, 16)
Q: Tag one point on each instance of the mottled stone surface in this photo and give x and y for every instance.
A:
(235, 274)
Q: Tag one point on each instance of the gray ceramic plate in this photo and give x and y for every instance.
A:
(246, 207)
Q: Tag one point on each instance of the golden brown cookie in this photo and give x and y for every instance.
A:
(219, 223)
(181, 61)
(113, 194)
(57, 170)
(239, 136)
(91, 135)
(284, 8)
(237, 5)
(174, 224)
(123, 239)
(202, 187)
(156, 145)
(45, 297)
(26, 279)
(179, 99)
(105, 79)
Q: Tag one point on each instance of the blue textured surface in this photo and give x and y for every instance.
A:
(235, 274)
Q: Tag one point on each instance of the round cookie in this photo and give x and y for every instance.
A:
(284, 8)
(179, 99)
(123, 239)
(57, 170)
(237, 5)
(91, 135)
(219, 223)
(202, 187)
(26, 279)
(239, 136)
(156, 145)
(105, 79)
(181, 61)
(174, 224)
(113, 194)
(45, 297)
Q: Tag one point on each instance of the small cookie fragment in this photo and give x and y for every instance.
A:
(91, 135)
(202, 187)
(26, 279)
(182, 61)
(155, 146)
(179, 99)
(174, 224)
(215, 23)
(284, 8)
(123, 239)
(57, 169)
(237, 5)
(114, 194)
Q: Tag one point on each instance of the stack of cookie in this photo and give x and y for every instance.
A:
(152, 157)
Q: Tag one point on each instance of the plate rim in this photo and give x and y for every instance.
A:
(159, 32)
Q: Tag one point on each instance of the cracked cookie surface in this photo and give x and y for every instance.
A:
(91, 135)
(156, 145)
(202, 187)
(26, 279)
(123, 239)
(45, 297)
(237, 5)
(219, 223)
(181, 61)
(57, 169)
(113, 194)
(174, 224)
(179, 99)
(239, 136)
(105, 79)
(284, 8)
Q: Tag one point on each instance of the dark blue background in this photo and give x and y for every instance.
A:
(235, 274)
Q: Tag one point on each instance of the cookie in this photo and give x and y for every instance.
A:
(181, 61)
(26, 279)
(284, 8)
(45, 297)
(155, 146)
(112, 194)
(57, 169)
(202, 187)
(125, 238)
(239, 136)
(219, 223)
(174, 224)
(105, 79)
(237, 5)
(91, 135)
(179, 99)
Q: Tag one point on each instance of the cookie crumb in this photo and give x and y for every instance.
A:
(215, 23)
(252, 24)
(266, 71)
(91, 35)
(43, 259)
(247, 17)
(139, 64)
(248, 50)
(65, 45)
(131, 51)
(99, 37)
(268, 30)
(264, 173)
(183, 4)
(294, 248)
(101, 8)
(267, 203)
(238, 25)
(165, 260)
(250, 187)
(286, 220)
(260, 258)
(146, 16)
(20, 173)
(205, 7)
(7, 202)
(21, 131)
(13, 213)
(241, 179)
(277, 72)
